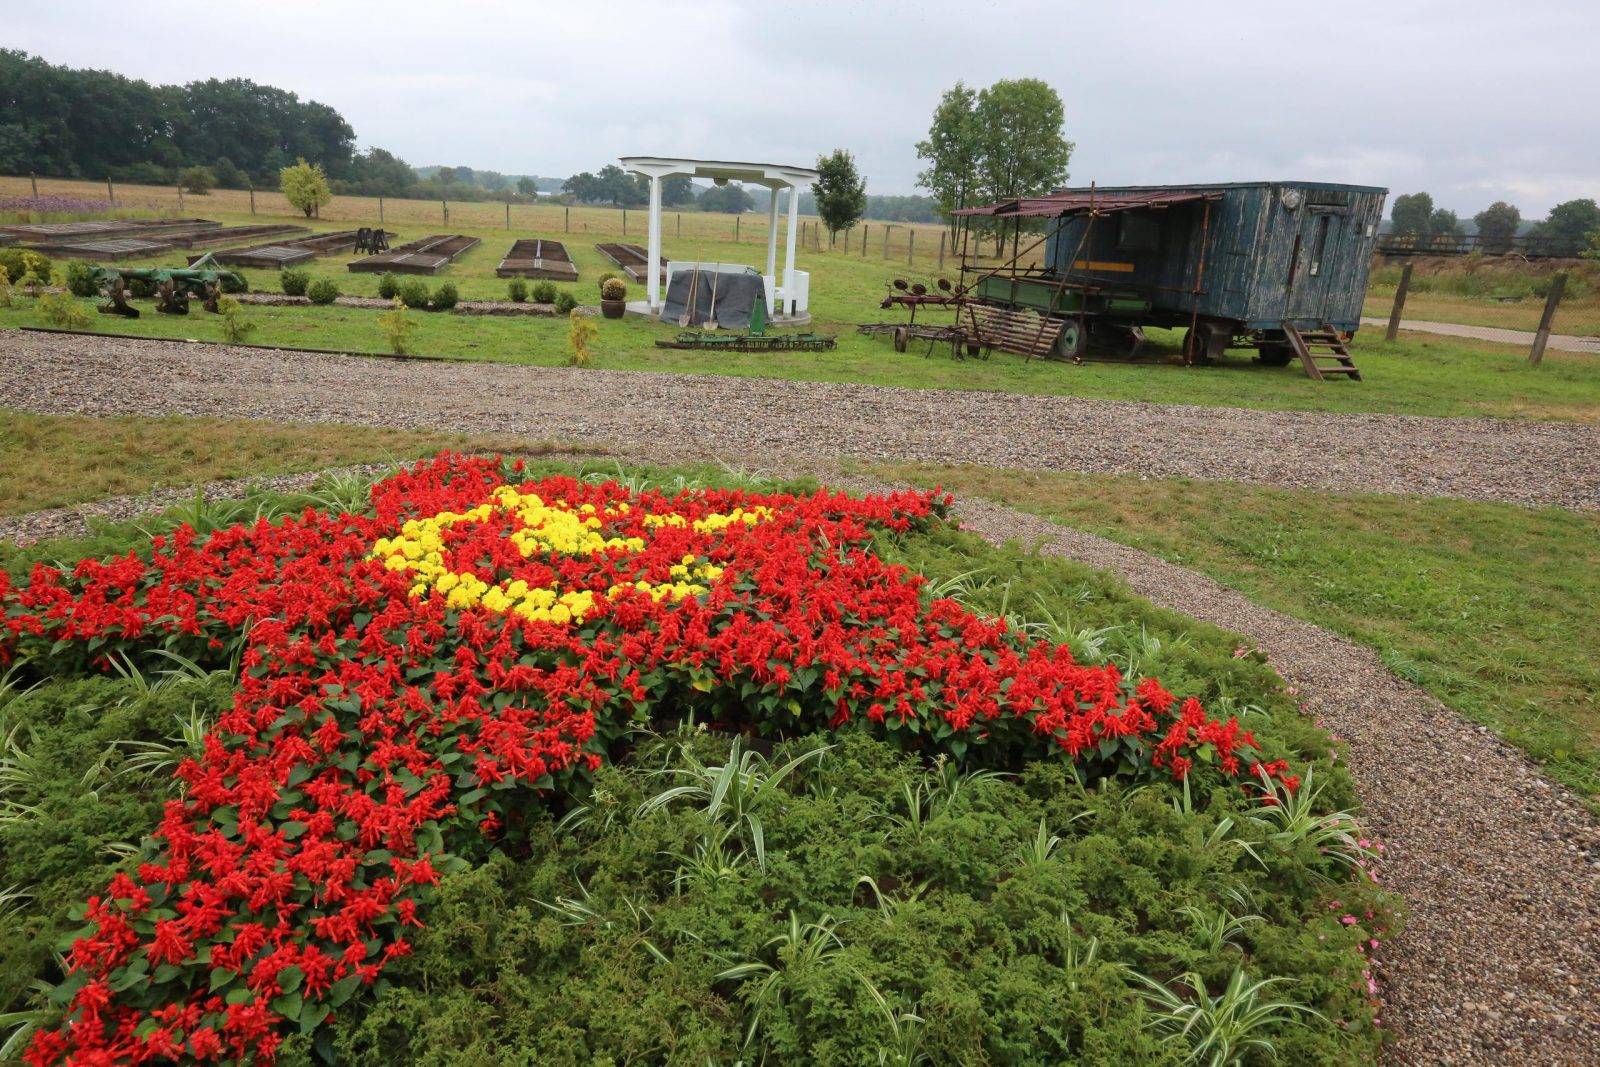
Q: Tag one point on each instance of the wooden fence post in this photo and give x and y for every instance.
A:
(942, 234)
(508, 214)
(566, 219)
(736, 229)
(864, 229)
(380, 211)
(1399, 303)
(110, 193)
(680, 224)
(253, 198)
(444, 206)
(1558, 285)
(886, 230)
(34, 179)
(624, 222)
(180, 197)
(911, 245)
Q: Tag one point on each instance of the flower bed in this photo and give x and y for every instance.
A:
(414, 678)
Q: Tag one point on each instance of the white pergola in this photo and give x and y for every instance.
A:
(772, 175)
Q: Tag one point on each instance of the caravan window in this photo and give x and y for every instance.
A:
(1320, 246)
(1138, 232)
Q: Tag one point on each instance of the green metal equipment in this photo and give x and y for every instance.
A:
(756, 339)
(173, 287)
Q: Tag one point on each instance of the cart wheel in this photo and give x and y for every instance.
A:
(1070, 341)
(902, 338)
(1275, 355)
(1206, 343)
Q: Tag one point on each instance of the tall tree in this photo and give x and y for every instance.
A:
(731, 199)
(1497, 225)
(951, 150)
(1571, 225)
(1022, 147)
(1443, 224)
(527, 187)
(677, 190)
(840, 192)
(1412, 214)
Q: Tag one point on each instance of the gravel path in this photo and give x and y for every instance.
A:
(1560, 342)
(1499, 867)
(698, 416)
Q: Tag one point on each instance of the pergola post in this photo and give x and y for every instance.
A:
(788, 252)
(772, 234)
(653, 278)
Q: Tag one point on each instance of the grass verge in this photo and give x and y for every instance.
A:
(1492, 608)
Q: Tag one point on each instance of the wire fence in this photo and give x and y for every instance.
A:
(922, 246)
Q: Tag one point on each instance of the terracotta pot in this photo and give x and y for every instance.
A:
(613, 309)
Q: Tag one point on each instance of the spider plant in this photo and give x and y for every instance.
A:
(162, 757)
(1291, 817)
(709, 862)
(582, 911)
(801, 945)
(1219, 1030)
(889, 905)
(904, 1048)
(1216, 930)
(731, 792)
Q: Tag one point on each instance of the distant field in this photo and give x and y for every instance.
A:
(1419, 375)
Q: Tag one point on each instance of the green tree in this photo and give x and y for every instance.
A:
(951, 151)
(305, 186)
(1022, 149)
(527, 187)
(1443, 224)
(381, 173)
(730, 199)
(1497, 225)
(1571, 226)
(677, 190)
(1412, 213)
(840, 191)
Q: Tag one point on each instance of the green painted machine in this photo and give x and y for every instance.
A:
(756, 339)
(173, 287)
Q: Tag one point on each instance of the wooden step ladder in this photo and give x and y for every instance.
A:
(1323, 344)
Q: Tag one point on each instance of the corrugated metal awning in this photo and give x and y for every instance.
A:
(1082, 203)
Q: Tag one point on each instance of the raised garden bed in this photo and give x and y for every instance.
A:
(226, 235)
(281, 254)
(108, 248)
(535, 258)
(29, 232)
(427, 255)
(633, 260)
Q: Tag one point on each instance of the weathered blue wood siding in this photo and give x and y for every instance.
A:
(1268, 257)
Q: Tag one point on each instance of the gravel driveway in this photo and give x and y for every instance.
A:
(772, 419)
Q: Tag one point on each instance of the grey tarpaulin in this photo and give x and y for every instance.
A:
(737, 287)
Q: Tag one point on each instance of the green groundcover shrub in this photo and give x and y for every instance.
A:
(837, 901)
(322, 291)
(294, 281)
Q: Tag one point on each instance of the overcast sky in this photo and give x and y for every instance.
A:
(1472, 100)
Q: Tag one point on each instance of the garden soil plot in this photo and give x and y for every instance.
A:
(150, 244)
(66, 232)
(427, 255)
(633, 260)
(535, 258)
(287, 253)
(709, 416)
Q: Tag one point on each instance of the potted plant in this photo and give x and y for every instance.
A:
(613, 298)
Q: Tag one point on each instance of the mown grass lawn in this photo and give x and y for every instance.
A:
(49, 461)
(1492, 608)
(1417, 375)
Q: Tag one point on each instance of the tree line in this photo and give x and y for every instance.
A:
(1572, 227)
